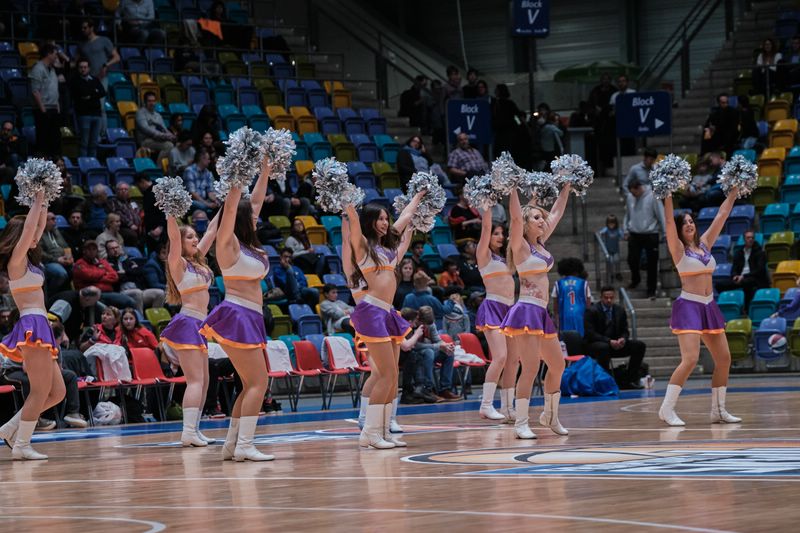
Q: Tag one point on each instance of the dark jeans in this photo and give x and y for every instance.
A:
(748, 284)
(649, 243)
(90, 134)
(408, 363)
(118, 300)
(72, 399)
(48, 132)
(428, 356)
(602, 353)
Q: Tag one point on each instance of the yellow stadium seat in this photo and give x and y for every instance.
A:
(340, 97)
(304, 167)
(776, 109)
(306, 122)
(280, 118)
(771, 161)
(317, 234)
(127, 110)
(783, 133)
(786, 275)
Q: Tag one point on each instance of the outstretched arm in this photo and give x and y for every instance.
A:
(559, 208)
(516, 224)
(260, 188)
(405, 217)
(225, 237)
(175, 257)
(483, 252)
(356, 237)
(405, 242)
(208, 237)
(31, 231)
(673, 242)
(710, 236)
(347, 260)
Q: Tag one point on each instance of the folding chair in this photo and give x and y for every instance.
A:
(342, 362)
(279, 366)
(309, 365)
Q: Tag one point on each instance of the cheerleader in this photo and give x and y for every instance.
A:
(527, 323)
(188, 279)
(31, 342)
(237, 323)
(375, 244)
(695, 314)
(499, 285)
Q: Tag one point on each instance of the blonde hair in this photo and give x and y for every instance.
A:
(527, 215)
(198, 261)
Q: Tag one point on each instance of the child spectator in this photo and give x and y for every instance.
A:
(451, 277)
(571, 295)
(611, 235)
(456, 319)
(135, 335)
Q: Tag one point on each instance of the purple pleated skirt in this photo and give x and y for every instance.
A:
(492, 312)
(183, 331)
(376, 321)
(529, 317)
(32, 329)
(236, 322)
(692, 313)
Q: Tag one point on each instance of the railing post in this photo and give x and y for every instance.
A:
(574, 218)
(685, 71)
(585, 236)
(729, 17)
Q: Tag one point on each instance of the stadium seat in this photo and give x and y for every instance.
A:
(316, 233)
(361, 175)
(343, 149)
(763, 304)
(387, 176)
(304, 168)
(343, 364)
(306, 321)
(224, 95)
(722, 272)
(767, 328)
(376, 124)
(748, 154)
(776, 110)
(447, 251)
(783, 133)
(793, 338)
(389, 148)
(779, 247)
(352, 122)
(738, 333)
(721, 248)
(731, 303)
(320, 148)
(786, 299)
(791, 164)
(367, 150)
(373, 196)
(766, 191)
(279, 366)
(282, 223)
(315, 94)
(786, 275)
(309, 364)
(306, 123)
(256, 118)
(790, 190)
(775, 218)
(771, 162)
(293, 94)
(340, 96)
(441, 233)
(159, 317)
(302, 151)
(328, 122)
(334, 227)
(283, 324)
(704, 218)
(232, 117)
(280, 118)
(431, 258)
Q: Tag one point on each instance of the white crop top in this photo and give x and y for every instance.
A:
(496, 267)
(31, 281)
(694, 264)
(388, 261)
(194, 279)
(249, 266)
(536, 263)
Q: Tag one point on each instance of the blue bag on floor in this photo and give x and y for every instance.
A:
(586, 378)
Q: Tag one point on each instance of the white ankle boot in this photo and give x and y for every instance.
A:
(189, 436)
(507, 405)
(487, 409)
(362, 411)
(667, 411)
(372, 434)
(521, 427)
(8, 432)
(22, 449)
(549, 417)
(387, 427)
(230, 440)
(208, 440)
(245, 451)
(718, 413)
(394, 427)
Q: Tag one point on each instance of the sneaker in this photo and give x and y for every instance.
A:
(45, 424)
(448, 396)
(76, 420)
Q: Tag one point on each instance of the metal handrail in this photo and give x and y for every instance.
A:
(631, 311)
(600, 247)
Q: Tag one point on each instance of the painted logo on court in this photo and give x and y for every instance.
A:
(689, 458)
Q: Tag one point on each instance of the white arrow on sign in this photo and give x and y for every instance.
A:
(457, 131)
(659, 123)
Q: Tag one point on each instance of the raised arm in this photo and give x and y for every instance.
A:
(559, 207)
(31, 231)
(710, 236)
(356, 237)
(674, 243)
(226, 240)
(405, 217)
(516, 229)
(175, 257)
(211, 233)
(347, 260)
(405, 242)
(483, 253)
(260, 188)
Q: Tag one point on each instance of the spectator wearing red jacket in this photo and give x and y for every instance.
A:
(106, 332)
(90, 271)
(464, 220)
(135, 334)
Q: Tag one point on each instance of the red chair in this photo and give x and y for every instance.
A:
(147, 372)
(347, 366)
(116, 385)
(309, 365)
(279, 367)
(472, 346)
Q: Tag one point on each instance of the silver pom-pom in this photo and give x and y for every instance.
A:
(741, 173)
(670, 174)
(480, 193)
(505, 174)
(572, 169)
(171, 197)
(223, 187)
(35, 175)
(334, 190)
(243, 155)
(541, 185)
(424, 217)
(279, 147)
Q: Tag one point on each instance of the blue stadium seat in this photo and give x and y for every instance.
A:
(367, 150)
(376, 124)
(787, 298)
(315, 94)
(352, 122)
(763, 304)
(361, 175)
(767, 328)
(447, 250)
(320, 148)
(731, 303)
(721, 248)
(372, 195)
(704, 218)
(791, 165)
(328, 122)
(722, 272)
(790, 190)
(775, 218)
(389, 148)
(740, 219)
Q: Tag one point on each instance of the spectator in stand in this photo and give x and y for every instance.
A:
(452, 89)
(423, 296)
(77, 12)
(108, 331)
(207, 141)
(131, 275)
(208, 120)
(306, 194)
(334, 312)
(464, 220)
(150, 130)
(694, 196)
(536, 126)
(405, 285)
(56, 256)
(76, 234)
(470, 90)
(139, 22)
(550, 139)
(456, 317)
(766, 73)
(791, 64)
(5, 316)
(199, 222)
(154, 220)
(128, 211)
(176, 125)
(641, 171)
(644, 228)
(6, 300)
(99, 51)
(417, 249)
(10, 151)
(134, 334)
(153, 270)
(97, 208)
(482, 91)
(571, 296)
(622, 88)
(111, 232)
(182, 155)
(87, 96)
(200, 182)
(414, 104)
(46, 109)
(67, 199)
(721, 129)
(608, 336)
(468, 267)
(292, 281)
(627, 145)
(291, 202)
(465, 161)
(508, 124)
(408, 361)
(413, 158)
(749, 133)
(303, 253)
(611, 234)
(91, 271)
(749, 271)
(599, 100)
(451, 277)
(430, 349)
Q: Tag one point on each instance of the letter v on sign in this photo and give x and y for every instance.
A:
(643, 114)
(471, 122)
(532, 16)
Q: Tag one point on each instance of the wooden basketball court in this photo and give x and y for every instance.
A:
(620, 469)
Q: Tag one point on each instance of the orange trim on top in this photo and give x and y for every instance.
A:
(495, 274)
(397, 339)
(179, 346)
(243, 278)
(209, 333)
(698, 331)
(27, 289)
(697, 273)
(377, 268)
(525, 272)
(487, 327)
(193, 289)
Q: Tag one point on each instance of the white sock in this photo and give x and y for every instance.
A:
(487, 398)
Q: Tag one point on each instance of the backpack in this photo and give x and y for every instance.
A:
(586, 378)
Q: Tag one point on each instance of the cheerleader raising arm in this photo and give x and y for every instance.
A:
(31, 233)
(482, 253)
(260, 188)
(208, 237)
(559, 208)
(405, 217)
(710, 236)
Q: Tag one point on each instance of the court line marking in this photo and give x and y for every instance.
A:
(155, 527)
(403, 511)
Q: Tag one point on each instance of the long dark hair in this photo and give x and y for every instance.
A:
(10, 238)
(370, 214)
(301, 236)
(243, 227)
(502, 251)
(680, 221)
(129, 311)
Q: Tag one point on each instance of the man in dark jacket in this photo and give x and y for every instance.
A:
(749, 271)
(606, 334)
(87, 94)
